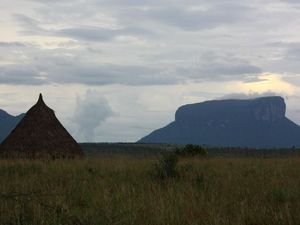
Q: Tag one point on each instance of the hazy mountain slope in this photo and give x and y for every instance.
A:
(7, 123)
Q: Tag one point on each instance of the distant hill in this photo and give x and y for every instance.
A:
(8, 123)
(258, 123)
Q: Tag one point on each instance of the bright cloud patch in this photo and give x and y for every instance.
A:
(268, 82)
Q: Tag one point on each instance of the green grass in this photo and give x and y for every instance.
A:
(124, 190)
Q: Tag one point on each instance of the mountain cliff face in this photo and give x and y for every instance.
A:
(8, 123)
(256, 123)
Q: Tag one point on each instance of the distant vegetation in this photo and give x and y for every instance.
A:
(191, 150)
(151, 190)
(140, 150)
(146, 150)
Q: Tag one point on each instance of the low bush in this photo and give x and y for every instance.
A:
(166, 167)
(191, 150)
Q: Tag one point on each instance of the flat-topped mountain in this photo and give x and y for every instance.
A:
(259, 123)
(8, 123)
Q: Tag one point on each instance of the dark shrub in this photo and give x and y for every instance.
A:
(191, 150)
(167, 166)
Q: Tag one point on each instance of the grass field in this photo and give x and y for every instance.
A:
(126, 190)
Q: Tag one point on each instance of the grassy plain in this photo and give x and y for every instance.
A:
(125, 190)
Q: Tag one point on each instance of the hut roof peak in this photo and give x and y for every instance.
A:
(40, 100)
(40, 105)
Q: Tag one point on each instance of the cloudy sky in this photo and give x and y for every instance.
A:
(114, 70)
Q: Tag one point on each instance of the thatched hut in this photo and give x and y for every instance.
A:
(40, 135)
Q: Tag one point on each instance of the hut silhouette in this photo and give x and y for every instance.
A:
(40, 135)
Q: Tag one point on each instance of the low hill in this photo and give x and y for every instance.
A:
(256, 123)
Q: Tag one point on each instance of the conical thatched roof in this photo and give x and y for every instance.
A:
(39, 135)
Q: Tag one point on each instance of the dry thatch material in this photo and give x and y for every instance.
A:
(40, 135)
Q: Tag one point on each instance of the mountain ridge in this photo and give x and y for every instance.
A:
(8, 123)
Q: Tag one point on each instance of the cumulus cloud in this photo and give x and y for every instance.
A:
(91, 111)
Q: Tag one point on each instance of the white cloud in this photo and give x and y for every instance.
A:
(90, 112)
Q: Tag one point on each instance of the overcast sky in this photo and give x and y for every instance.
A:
(114, 70)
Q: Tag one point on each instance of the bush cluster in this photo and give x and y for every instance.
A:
(166, 167)
(191, 150)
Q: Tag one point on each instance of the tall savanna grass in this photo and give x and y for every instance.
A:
(124, 190)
